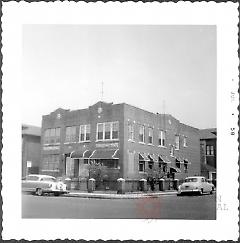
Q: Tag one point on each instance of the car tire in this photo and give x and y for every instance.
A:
(211, 192)
(39, 192)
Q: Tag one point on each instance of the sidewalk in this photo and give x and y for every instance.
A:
(114, 195)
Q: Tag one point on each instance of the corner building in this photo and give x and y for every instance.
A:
(109, 141)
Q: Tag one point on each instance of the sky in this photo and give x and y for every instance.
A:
(164, 69)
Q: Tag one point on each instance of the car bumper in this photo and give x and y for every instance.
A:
(188, 191)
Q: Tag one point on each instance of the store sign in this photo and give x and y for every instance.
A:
(47, 148)
(107, 145)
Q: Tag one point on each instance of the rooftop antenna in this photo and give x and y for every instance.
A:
(102, 92)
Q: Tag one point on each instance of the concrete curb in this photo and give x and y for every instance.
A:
(118, 196)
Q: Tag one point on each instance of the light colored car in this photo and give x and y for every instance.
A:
(197, 184)
(41, 184)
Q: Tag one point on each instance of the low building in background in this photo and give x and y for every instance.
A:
(108, 141)
(31, 149)
(208, 143)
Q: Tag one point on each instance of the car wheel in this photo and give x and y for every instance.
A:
(211, 192)
(39, 192)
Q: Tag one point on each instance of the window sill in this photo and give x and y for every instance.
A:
(209, 154)
(177, 149)
(51, 144)
(69, 142)
(141, 143)
(160, 146)
(107, 140)
(130, 140)
(150, 144)
(142, 172)
(87, 141)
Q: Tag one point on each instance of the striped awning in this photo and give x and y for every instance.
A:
(180, 160)
(153, 157)
(80, 154)
(174, 169)
(105, 154)
(143, 157)
(164, 159)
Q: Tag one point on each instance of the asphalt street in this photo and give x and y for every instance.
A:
(164, 207)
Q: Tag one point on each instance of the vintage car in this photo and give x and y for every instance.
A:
(41, 184)
(195, 184)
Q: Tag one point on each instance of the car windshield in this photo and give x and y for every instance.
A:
(32, 178)
(191, 180)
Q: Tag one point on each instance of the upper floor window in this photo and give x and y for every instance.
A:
(130, 131)
(209, 150)
(162, 138)
(184, 141)
(150, 135)
(107, 131)
(71, 134)
(172, 150)
(177, 142)
(52, 135)
(84, 133)
(141, 134)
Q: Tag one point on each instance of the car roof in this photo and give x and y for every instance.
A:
(42, 176)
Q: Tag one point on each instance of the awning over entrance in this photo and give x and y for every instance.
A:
(153, 157)
(174, 169)
(164, 159)
(81, 154)
(143, 157)
(105, 154)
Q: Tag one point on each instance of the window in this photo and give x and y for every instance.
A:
(52, 135)
(51, 163)
(84, 133)
(150, 165)
(177, 142)
(71, 134)
(185, 167)
(209, 150)
(172, 151)
(141, 134)
(150, 135)
(161, 138)
(178, 164)
(130, 131)
(107, 131)
(100, 131)
(115, 129)
(141, 166)
(184, 141)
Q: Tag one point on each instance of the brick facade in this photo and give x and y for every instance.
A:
(128, 152)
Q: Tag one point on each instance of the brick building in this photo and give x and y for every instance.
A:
(109, 141)
(31, 149)
(208, 152)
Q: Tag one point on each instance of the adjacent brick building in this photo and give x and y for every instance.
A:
(31, 149)
(109, 141)
(208, 143)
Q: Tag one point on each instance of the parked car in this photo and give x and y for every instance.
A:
(40, 184)
(197, 184)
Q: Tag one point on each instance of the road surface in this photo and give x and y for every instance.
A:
(164, 207)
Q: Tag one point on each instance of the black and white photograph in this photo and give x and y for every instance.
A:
(121, 121)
